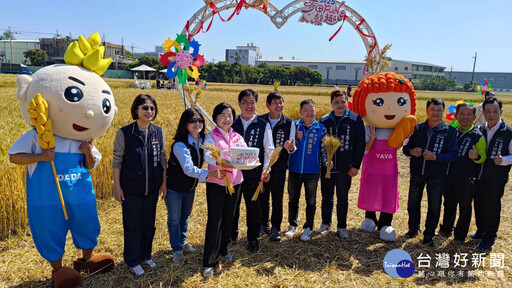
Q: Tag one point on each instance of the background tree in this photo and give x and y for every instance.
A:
(37, 57)
(7, 35)
(129, 55)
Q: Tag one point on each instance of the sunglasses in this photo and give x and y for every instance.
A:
(196, 120)
(146, 108)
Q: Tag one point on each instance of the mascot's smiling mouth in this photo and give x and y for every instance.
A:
(389, 117)
(79, 128)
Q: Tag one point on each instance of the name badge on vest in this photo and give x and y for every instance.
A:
(156, 151)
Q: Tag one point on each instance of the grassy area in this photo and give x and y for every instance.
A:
(326, 261)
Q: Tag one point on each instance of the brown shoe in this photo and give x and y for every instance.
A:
(102, 263)
(66, 277)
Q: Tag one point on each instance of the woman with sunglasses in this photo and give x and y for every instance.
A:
(139, 169)
(185, 162)
(221, 204)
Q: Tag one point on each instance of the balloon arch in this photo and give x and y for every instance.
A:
(199, 23)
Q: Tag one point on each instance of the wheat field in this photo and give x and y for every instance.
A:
(325, 261)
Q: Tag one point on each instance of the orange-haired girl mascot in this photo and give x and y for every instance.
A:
(387, 103)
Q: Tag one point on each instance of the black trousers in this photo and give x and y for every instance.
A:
(342, 182)
(275, 187)
(139, 214)
(458, 190)
(253, 216)
(221, 210)
(295, 181)
(434, 196)
(385, 219)
(488, 197)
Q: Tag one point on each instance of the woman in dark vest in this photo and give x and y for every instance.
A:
(185, 162)
(139, 167)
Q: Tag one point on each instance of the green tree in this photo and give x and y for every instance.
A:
(37, 57)
(7, 35)
(130, 55)
(150, 61)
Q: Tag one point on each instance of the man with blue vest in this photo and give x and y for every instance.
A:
(432, 145)
(304, 168)
(493, 174)
(257, 133)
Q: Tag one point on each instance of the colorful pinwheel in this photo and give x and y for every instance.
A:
(484, 87)
(182, 62)
(452, 109)
(201, 83)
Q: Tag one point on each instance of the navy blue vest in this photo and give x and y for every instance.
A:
(464, 166)
(499, 143)
(178, 181)
(141, 170)
(280, 133)
(253, 137)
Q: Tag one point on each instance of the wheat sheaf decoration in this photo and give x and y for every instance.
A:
(273, 159)
(88, 54)
(215, 154)
(38, 111)
(331, 144)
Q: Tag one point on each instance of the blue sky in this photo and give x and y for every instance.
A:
(446, 33)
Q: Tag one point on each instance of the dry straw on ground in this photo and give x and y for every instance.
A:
(325, 261)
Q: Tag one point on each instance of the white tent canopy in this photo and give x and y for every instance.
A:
(143, 68)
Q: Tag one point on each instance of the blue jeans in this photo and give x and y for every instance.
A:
(179, 207)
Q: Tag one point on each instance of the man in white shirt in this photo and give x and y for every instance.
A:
(257, 133)
(493, 174)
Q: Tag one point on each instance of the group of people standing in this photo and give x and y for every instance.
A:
(463, 164)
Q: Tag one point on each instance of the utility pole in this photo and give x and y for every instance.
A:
(132, 48)
(473, 74)
(451, 69)
(10, 41)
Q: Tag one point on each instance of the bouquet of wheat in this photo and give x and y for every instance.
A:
(38, 111)
(331, 144)
(215, 153)
(273, 159)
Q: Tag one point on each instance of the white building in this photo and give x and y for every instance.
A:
(247, 55)
(415, 70)
(341, 72)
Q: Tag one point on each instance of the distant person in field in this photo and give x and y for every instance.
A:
(493, 175)
(460, 184)
(257, 133)
(221, 204)
(185, 162)
(432, 145)
(157, 82)
(479, 113)
(304, 166)
(336, 86)
(140, 175)
(349, 90)
(349, 128)
(283, 134)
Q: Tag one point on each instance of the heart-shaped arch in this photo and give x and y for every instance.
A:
(279, 17)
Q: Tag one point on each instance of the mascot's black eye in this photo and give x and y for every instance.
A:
(106, 106)
(378, 102)
(73, 94)
(401, 101)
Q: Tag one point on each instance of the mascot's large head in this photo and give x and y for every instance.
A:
(383, 99)
(81, 104)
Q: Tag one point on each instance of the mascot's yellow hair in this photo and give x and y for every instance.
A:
(88, 54)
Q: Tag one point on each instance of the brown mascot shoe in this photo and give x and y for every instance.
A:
(66, 277)
(101, 263)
